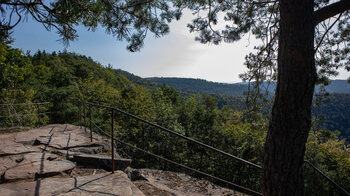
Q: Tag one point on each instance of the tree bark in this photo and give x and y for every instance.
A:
(291, 112)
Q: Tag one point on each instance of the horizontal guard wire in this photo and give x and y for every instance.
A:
(175, 163)
(179, 135)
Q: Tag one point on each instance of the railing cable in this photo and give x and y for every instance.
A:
(176, 163)
(180, 135)
(17, 104)
(325, 176)
(203, 145)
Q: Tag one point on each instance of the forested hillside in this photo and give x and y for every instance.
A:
(138, 80)
(333, 111)
(202, 86)
(63, 78)
(235, 89)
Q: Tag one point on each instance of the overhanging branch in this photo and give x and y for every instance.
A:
(331, 10)
(324, 35)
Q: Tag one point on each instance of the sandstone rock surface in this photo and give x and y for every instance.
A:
(165, 183)
(28, 137)
(102, 161)
(9, 147)
(71, 137)
(41, 153)
(99, 184)
(24, 156)
(35, 165)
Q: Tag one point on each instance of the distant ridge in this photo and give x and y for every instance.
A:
(235, 89)
(201, 86)
(136, 79)
(338, 86)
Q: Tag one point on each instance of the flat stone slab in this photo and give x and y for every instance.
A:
(9, 147)
(68, 128)
(64, 141)
(69, 137)
(101, 161)
(8, 162)
(9, 136)
(34, 165)
(28, 137)
(99, 184)
(42, 152)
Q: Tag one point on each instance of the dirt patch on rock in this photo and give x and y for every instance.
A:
(166, 183)
(85, 171)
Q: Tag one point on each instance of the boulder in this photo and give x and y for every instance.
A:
(134, 174)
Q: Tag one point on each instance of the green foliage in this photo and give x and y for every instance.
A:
(202, 86)
(331, 156)
(331, 109)
(136, 79)
(64, 78)
(334, 113)
(16, 71)
(126, 20)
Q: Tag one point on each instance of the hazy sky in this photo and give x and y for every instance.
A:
(174, 55)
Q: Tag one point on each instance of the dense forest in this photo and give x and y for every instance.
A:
(63, 78)
(234, 89)
(202, 86)
(332, 111)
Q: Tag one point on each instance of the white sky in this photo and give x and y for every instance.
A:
(174, 55)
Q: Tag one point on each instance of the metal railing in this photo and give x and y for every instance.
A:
(327, 177)
(83, 108)
(15, 113)
(240, 160)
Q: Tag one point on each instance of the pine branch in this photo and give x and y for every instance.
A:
(331, 10)
(328, 29)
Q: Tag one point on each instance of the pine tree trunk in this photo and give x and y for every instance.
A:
(291, 112)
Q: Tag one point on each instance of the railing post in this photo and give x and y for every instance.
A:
(38, 107)
(80, 114)
(84, 116)
(112, 139)
(90, 123)
(50, 113)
